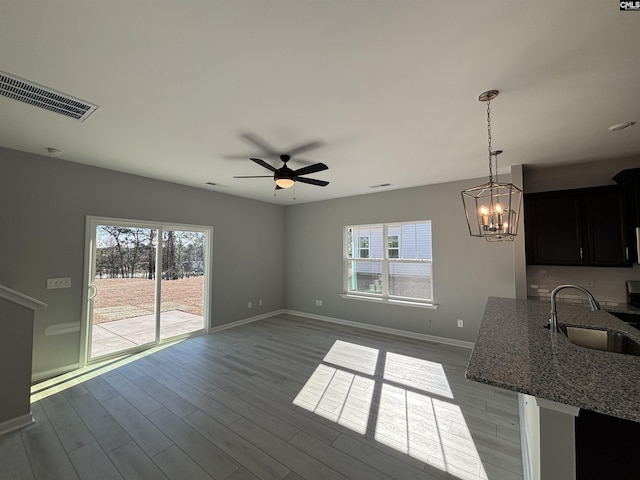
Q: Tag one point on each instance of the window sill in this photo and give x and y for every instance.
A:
(390, 301)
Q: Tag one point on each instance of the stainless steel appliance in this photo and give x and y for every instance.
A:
(633, 292)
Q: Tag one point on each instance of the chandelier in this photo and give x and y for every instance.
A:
(492, 209)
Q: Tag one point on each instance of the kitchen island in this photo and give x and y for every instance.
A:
(514, 351)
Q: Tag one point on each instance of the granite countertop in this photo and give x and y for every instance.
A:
(514, 351)
(623, 308)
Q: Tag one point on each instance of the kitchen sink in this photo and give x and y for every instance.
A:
(601, 340)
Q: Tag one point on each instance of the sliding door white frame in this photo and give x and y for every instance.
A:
(89, 273)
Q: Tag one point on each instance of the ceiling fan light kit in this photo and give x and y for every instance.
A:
(285, 182)
(492, 209)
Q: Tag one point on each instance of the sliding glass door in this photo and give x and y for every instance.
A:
(146, 284)
(182, 282)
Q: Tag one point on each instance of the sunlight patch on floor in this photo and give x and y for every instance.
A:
(62, 382)
(420, 374)
(354, 357)
(430, 430)
(429, 427)
(339, 396)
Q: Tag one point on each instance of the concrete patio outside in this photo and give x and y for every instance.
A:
(117, 335)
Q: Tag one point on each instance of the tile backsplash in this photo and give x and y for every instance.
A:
(606, 284)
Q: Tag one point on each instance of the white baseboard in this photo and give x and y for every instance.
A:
(391, 331)
(16, 423)
(245, 321)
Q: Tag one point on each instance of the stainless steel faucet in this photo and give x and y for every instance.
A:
(553, 321)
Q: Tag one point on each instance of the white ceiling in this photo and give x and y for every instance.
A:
(390, 87)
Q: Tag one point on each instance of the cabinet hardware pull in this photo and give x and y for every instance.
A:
(626, 252)
(581, 258)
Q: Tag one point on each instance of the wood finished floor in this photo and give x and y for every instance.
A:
(221, 406)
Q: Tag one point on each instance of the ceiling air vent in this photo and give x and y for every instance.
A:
(44, 97)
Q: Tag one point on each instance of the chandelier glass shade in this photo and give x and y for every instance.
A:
(492, 209)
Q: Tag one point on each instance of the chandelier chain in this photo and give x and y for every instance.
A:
(489, 139)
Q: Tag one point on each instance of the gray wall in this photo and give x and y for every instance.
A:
(466, 270)
(16, 322)
(578, 175)
(44, 202)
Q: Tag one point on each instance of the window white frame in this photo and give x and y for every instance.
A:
(382, 293)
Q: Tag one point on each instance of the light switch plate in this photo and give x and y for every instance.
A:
(60, 282)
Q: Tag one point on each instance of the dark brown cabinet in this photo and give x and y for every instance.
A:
(553, 229)
(606, 447)
(630, 181)
(577, 227)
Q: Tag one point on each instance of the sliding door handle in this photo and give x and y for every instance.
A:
(93, 291)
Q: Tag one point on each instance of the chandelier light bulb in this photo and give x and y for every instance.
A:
(484, 213)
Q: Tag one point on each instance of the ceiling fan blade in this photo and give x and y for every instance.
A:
(264, 164)
(237, 157)
(253, 176)
(261, 144)
(316, 167)
(305, 147)
(312, 181)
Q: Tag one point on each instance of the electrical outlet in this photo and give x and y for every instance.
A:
(249, 305)
(460, 323)
(61, 282)
(260, 302)
(318, 303)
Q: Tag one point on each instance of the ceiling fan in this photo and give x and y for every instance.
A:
(286, 177)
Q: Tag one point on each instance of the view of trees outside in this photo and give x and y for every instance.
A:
(125, 272)
(125, 252)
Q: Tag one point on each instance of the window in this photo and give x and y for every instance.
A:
(393, 246)
(389, 261)
(363, 244)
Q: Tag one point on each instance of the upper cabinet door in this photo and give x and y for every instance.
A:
(605, 214)
(577, 227)
(553, 230)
